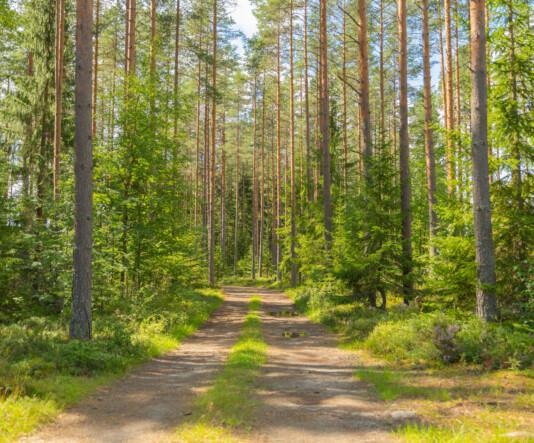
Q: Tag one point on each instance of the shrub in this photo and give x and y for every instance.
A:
(444, 338)
(409, 340)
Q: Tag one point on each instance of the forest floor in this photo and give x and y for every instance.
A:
(259, 371)
(305, 392)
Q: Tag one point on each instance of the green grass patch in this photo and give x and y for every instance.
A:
(258, 282)
(464, 432)
(391, 385)
(42, 372)
(229, 403)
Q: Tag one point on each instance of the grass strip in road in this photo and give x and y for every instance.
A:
(229, 404)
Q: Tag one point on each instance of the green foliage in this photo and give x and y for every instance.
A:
(406, 335)
(41, 370)
(453, 272)
(367, 253)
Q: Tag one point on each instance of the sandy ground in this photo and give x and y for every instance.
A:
(148, 404)
(306, 391)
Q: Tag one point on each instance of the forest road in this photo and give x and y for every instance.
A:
(149, 403)
(306, 391)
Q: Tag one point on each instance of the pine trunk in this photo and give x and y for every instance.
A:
(485, 255)
(404, 150)
(429, 142)
(58, 116)
(293, 196)
(324, 122)
(80, 325)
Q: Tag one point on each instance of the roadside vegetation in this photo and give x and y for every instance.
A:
(229, 404)
(41, 371)
(467, 380)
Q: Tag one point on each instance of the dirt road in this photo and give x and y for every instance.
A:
(306, 391)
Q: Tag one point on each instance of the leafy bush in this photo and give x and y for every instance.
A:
(38, 348)
(408, 340)
(404, 334)
(444, 338)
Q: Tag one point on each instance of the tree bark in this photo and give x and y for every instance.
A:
(381, 79)
(429, 142)
(344, 94)
(131, 17)
(485, 255)
(254, 180)
(404, 150)
(278, 159)
(177, 78)
(324, 122)
(364, 90)
(307, 106)
(95, 62)
(237, 175)
(211, 215)
(449, 100)
(293, 196)
(223, 191)
(58, 116)
(80, 325)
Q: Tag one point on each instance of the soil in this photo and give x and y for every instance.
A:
(306, 391)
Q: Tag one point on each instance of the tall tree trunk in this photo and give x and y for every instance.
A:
(344, 94)
(307, 105)
(364, 90)
(324, 121)
(211, 215)
(254, 178)
(293, 196)
(485, 255)
(153, 31)
(443, 78)
(177, 79)
(457, 66)
(404, 149)
(131, 18)
(80, 325)
(429, 142)
(197, 136)
(58, 116)
(278, 158)
(153, 49)
(514, 142)
(458, 105)
(95, 63)
(223, 191)
(450, 100)
(237, 175)
(381, 79)
(262, 182)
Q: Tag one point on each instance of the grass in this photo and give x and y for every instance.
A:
(258, 282)
(456, 404)
(229, 404)
(41, 372)
(402, 361)
(390, 385)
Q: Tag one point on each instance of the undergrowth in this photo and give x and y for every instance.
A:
(41, 371)
(441, 364)
(407, 335)
(229, 403)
